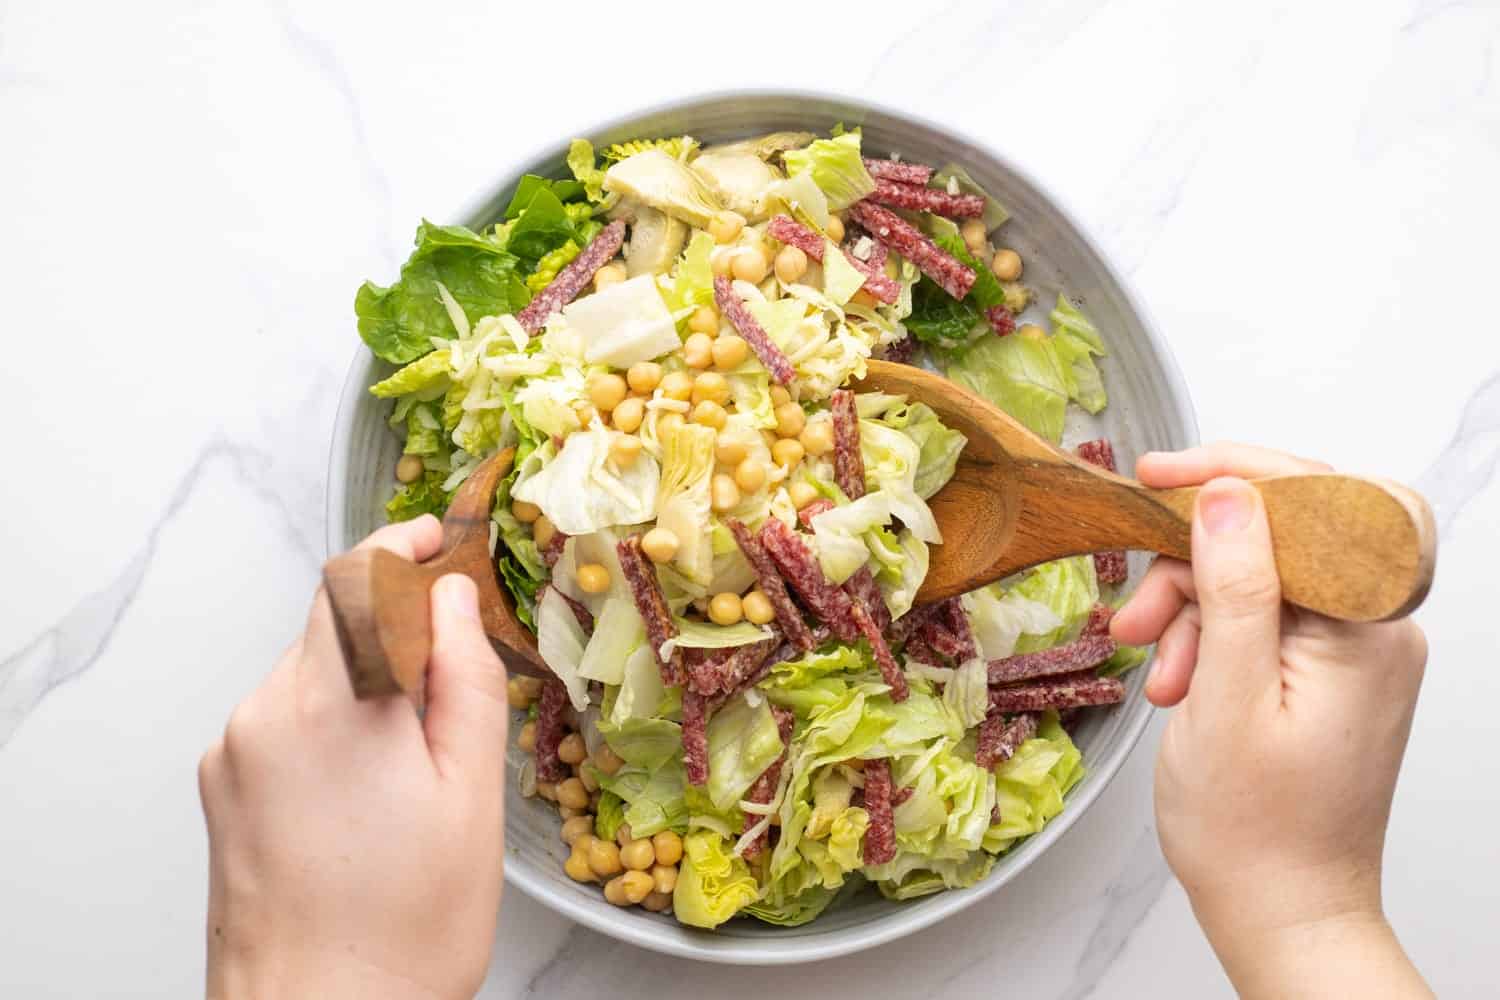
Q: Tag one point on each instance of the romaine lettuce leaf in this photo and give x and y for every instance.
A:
(526, 191)
(712, 884)
(425, 496)
(427, 374)
(1066, 318)
(581, 162)
(837, 168)
(939, 319)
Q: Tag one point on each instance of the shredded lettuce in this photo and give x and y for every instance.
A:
(837, 168)
(712, 884)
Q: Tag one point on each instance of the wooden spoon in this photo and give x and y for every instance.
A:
(1347, 547)
(381, 603)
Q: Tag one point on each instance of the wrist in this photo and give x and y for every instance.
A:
(294, 972)
(1345, 954)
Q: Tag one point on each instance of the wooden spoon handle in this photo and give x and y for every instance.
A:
(381, 607)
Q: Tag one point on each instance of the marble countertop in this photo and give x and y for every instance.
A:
(1303, 193)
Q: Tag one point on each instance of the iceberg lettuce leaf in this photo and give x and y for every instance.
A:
(837, 167)
(712, 884)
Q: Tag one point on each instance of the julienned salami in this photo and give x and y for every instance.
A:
(947, 630)
(553, 550)
(890, 670)
(785, 229)
(848, 463)
(768, 579)
(640, 577)
(813, 509)
(733, 309)
(1099, 618)
(900, 236)
(799, 567)
(1070, 691)
(764, 788)
(898, 171)
(1080, 654)
(999, 738)
(549, 731)
(880, 836)
(901, 794)
(695, 737)
(1109, 566)
(915, 198)
(716, 671)
(909, 624)
(1000, 319)
(917, 648)
(572, 279)
(877, 282)
(862, 589)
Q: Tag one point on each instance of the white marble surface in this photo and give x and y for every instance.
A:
(1303, 192)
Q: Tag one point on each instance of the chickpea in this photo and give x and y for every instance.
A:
(585, 413)
(635, 886)
(758, 609)
(410, 468)
(665, 877)
(711, 385)
(720, 261)
(572, 750)
(791, 264)
(516, 695)
(725, 226)
(604, 858)
(577, 867)
(677, 385)
(614, 892)
(638, 855)
(656, 902)
(729, 451)
(723, 493)
(668, 846)
(668, 422)
(625, 449)
(817, 439)
(622, 834)
(725, 609)
(605, 390)
(975, 235)
(749, 475)
(705, 319)
(698, 350)
(607, 760)
(542, 531)
(730, 351)
(547, 790)
(609, 274)
(1031, 331)
(802, 493)
(567, 813)
(1017, 296)
(590, 780)
(526, 739)
(592, 578)
(643, 376)
(750, 264)
(525, 512)
(571, 793)
(863, 297)
(629, 414)
(779, 395)
(578, 826)
(790, 420)
(1006, 265)
(710, 414)
(531, 685)
(835, 229)
(660, 545)
(787, 452)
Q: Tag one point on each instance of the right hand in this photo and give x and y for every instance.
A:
(1275, 777)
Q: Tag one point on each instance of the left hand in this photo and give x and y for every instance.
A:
(354, 848)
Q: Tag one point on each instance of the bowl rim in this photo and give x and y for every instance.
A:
(705, 946)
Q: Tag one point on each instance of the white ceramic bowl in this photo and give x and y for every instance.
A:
(1148, 409)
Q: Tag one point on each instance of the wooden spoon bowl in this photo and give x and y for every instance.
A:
(1348, 547)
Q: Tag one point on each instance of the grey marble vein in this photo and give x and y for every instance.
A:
(1468, 464)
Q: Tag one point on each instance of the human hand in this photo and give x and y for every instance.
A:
(1275, 777)
(354, 848)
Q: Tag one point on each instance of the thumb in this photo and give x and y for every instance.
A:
(1239, 595)
(466, 714)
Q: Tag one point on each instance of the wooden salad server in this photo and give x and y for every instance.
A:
(1348, 547)
(381, 601)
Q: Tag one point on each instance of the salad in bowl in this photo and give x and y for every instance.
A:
(718, 542)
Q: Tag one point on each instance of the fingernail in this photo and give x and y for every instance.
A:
(461, 596)
(1226, 506)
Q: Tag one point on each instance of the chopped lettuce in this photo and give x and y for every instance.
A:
(581, 162)
(1124, 660)
(425, 496)
(837, 168)
(641, 687)
(427, 374)
(839, 534)
(693, 282)
(712, 884)
(1067, 319)
(653, 797)
(742, 742)
(939, 445)
(560, 641)
(1022, 375)
(939, 319)
(999, 618)
(899, 581)
(581, 492)
(617, 633)
(891, 462)
(1069, 588)
(1029, 788)
(543, 225)
(609, 816)
(1077, 341)
(967, 695)
(646, 743)
(706, 635)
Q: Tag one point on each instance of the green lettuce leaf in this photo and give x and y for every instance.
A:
(804, 907)
(939, 319)
(939, 445)
(581, 162)
(399, 322)
(618, 631)
(986, 292)
(1067, 319)
(427, 374)
(712, 884)
(654, 799)
(891, 462)
(839, 534)
(1029, 787)
(910, 875)
(530, 184)
(609, 815)
(425, 496)
(543, 226)
(995, 213)
(560, 641)
(837, 168)
(742, 742)
(1022, 375)
(1069, 588)
(998, 619)
(1124, 660)
(647, 743)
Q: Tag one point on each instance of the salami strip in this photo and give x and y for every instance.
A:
(900, 351)
(999, 739)
(915, 198)
(733, 308)
(585, 618)
(877, 282)
(899, 171)
(800, 569)
(572, 279)
(907, 625)
(901, 794)
(1080, 654)
(764, 789)
(695, 737)
(947, 630)
(768, 579)
(862, 589)
(640, 576)
(880, 836)
(1069, 691)
(917, 648)
(890, 670)
(793, 233)
(1000, 319)
(716, 671)
(554, 550)
(1109, 566)
(1099, 617)
(848, 463)
(549, 731)
(900, 236)
(813, 509)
